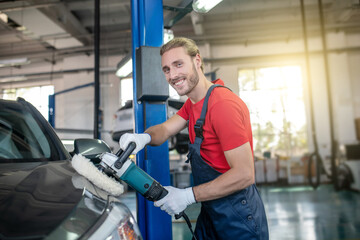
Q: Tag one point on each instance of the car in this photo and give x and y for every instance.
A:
(41, 195)
(124, 119)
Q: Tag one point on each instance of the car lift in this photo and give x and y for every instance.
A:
(150, 109)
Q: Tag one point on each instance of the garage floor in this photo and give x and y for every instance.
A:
(295, 213)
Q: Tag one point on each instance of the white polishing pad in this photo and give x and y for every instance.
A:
(86, 168)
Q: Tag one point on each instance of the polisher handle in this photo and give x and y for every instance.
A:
(131, 146)
(124, 155)
(164, 192)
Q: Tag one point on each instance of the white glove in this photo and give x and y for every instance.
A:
(176, 200)
(139, 139)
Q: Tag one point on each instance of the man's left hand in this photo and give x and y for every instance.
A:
(176, 200)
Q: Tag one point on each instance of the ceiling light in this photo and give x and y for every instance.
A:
(3, 17)
(14, 62)
(124, 67)
(203, 6)
(12, 79)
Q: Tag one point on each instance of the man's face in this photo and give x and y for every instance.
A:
(180, 71)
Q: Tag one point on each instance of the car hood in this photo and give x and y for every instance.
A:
(35, 198)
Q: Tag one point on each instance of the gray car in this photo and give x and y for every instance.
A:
(41, 195)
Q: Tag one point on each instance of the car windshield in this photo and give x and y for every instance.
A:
(21, 137)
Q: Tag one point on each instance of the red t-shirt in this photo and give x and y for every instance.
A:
(227, 125)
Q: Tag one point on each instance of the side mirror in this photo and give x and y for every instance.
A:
(90, 148)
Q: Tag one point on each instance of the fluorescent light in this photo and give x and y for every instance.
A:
(14, 62)
(12, 79)
(124, 67)
(3, 17)
(203, 6)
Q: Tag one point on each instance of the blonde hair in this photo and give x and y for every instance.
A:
(188, 44)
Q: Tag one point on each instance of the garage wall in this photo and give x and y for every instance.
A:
(354, 72)
(75, 109)
(16, 74)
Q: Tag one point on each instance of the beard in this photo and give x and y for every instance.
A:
(192, 80)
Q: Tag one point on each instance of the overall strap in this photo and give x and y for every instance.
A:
(198, 127)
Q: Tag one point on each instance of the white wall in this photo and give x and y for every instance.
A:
(354, 72)
(29, 69)
(75, 109)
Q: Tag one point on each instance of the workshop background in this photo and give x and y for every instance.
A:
(303, 96)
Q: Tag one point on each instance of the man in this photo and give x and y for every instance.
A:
(220, 150)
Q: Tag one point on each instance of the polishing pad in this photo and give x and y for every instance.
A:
(87, 169)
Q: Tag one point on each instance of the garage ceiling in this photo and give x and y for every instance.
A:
(40, 30)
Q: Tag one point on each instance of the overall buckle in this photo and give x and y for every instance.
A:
(199, 130)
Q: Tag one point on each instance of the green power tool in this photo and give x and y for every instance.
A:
(122, 167)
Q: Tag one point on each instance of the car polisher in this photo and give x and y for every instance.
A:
(121, 167)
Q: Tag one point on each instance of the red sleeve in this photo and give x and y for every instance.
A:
(184, 110)
(229, 122)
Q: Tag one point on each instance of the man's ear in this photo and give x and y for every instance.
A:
(198, 60)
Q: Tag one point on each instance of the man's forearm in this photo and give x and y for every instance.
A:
(223, 185)
(158, 135)
(240, 175)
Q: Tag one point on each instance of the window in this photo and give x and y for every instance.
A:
(37, 96)
(274, 96)
(126, 90)
(20, 136)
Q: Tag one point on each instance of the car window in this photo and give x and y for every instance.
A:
(21, 137)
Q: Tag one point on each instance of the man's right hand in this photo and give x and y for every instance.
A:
(139, 139)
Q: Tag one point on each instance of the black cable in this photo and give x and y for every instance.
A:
(187, 220)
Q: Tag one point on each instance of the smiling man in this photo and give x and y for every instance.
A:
(220, 150)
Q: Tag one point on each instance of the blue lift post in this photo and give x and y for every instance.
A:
(147, 30)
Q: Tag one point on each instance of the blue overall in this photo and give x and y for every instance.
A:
(240, 215)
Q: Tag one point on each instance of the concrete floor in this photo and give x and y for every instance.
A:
(296, 212)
